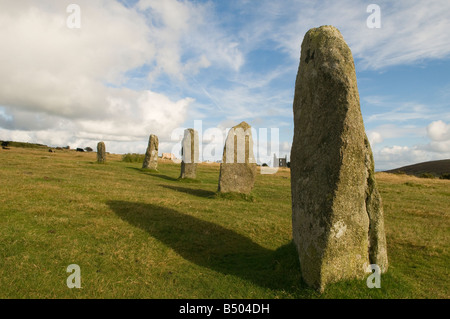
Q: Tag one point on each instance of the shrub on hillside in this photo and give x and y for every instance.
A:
(445, 176)
(427, 175)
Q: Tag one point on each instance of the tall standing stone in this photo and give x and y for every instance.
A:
(101, 153)
(151, 156)
(337, 214)
(238, 167)
(189, 149)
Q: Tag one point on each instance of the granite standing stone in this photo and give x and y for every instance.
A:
(189, 151)
(151, 156)
(238, 167)
(337, 214)
(101, 153)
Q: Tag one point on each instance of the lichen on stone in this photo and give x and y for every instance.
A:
(332, 169)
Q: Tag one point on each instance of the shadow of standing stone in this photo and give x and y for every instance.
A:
(213, 246)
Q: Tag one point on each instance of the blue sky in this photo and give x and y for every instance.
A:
(140, 67)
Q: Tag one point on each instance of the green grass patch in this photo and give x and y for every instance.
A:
(236, 196)
(189, 180)
(414, 185)
(133, 158)
(141, 234)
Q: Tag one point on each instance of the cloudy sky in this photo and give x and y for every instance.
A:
(155, 66)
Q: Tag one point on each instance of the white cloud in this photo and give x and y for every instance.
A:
(245, 102)
(182, 28)
(61, 86)
(391, 157)
(439, 131)
(438, 147)
(50, 68)
(285, 147)
(385, 132)
(126, 115)
(396, 156)
(60, 79)
(136, 114)
(405, 112)
(375, 138)
(411, 30)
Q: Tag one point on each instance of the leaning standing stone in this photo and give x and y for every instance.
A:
(337, 214)
(101, 153)
(238, 167)
(190, 154)
(151, 156)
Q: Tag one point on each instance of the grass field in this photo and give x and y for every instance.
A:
(142, 234)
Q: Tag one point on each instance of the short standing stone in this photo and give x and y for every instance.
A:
(238, 167)
(151, 156)
(189, 154)
(101, 153)
(337, 214)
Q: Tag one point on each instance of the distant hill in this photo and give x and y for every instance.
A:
(23, 144)
(32, 145)
(425, 169)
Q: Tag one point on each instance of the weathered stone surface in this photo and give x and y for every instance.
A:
(101, 153)
(238, 167)
(337, 214)
(151, 155)
(189, 149)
